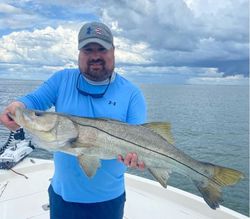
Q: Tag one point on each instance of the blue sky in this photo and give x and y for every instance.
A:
(171, 41)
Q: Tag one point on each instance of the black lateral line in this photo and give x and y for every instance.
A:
(148, 150)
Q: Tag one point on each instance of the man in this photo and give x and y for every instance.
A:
(92, 90)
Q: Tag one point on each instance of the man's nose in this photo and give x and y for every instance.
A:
(95, 54)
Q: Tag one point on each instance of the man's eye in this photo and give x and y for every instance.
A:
(102, 49)
(91, 50)
(87, 50)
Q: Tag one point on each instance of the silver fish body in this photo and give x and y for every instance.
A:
(94, 139)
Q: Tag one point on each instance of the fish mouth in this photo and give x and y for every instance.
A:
(21, 116)
(18, 112)
(18, 116)
(11, 116)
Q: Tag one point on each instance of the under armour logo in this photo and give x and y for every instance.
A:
(112, 103)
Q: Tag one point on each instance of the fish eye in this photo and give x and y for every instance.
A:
(38, 113)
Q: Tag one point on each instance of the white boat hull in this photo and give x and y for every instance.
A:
(27, 198)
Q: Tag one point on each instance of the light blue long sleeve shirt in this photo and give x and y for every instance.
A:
(122, 101)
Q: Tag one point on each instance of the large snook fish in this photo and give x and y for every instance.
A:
(94, 139)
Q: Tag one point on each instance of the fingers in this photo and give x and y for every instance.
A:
(120, 158)
(131, 160)
(6, 120)
(141, 165)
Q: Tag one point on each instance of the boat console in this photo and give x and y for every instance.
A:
(15, 149)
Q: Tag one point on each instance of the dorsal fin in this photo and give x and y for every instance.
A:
(161, 128)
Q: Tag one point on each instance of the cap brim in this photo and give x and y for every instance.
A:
(95, 40)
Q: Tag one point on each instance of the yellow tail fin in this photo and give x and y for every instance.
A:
(226, 176)
(211, 188)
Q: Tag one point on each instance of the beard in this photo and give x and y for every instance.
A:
(97, 70)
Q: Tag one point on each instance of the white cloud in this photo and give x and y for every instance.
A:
(45, 49)
(185, 32)
(228, 80)
(184, 74)
(158, 23)
(15, 17)
(52, 46)
(57, 47)
(9, 9)
(128, 52)
(183, 70)
(189, 38)
(28, 72)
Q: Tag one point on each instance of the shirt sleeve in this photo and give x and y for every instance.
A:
(137, 109)
(45, 96)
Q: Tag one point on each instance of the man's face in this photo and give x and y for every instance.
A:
(96, 62)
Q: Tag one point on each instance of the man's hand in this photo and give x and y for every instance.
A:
(131, 160)
(6, 120)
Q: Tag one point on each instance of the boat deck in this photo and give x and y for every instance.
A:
(27, 198)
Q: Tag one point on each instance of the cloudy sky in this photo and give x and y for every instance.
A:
(171, 41)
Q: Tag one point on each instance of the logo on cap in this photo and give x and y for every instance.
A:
(95, 32)
(88, 30)
(98, 31)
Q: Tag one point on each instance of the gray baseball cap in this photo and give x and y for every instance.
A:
(95, 32)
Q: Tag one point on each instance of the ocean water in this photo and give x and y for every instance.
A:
(210, 123)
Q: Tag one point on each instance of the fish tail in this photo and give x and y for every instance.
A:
(210, 188)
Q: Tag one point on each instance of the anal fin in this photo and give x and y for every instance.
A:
(89, 164)
(161, 175)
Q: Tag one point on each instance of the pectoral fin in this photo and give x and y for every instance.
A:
(89, 164)
(161, 175)
(68, 149)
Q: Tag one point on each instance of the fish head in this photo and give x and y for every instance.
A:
(34, 120)
(49, 130)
